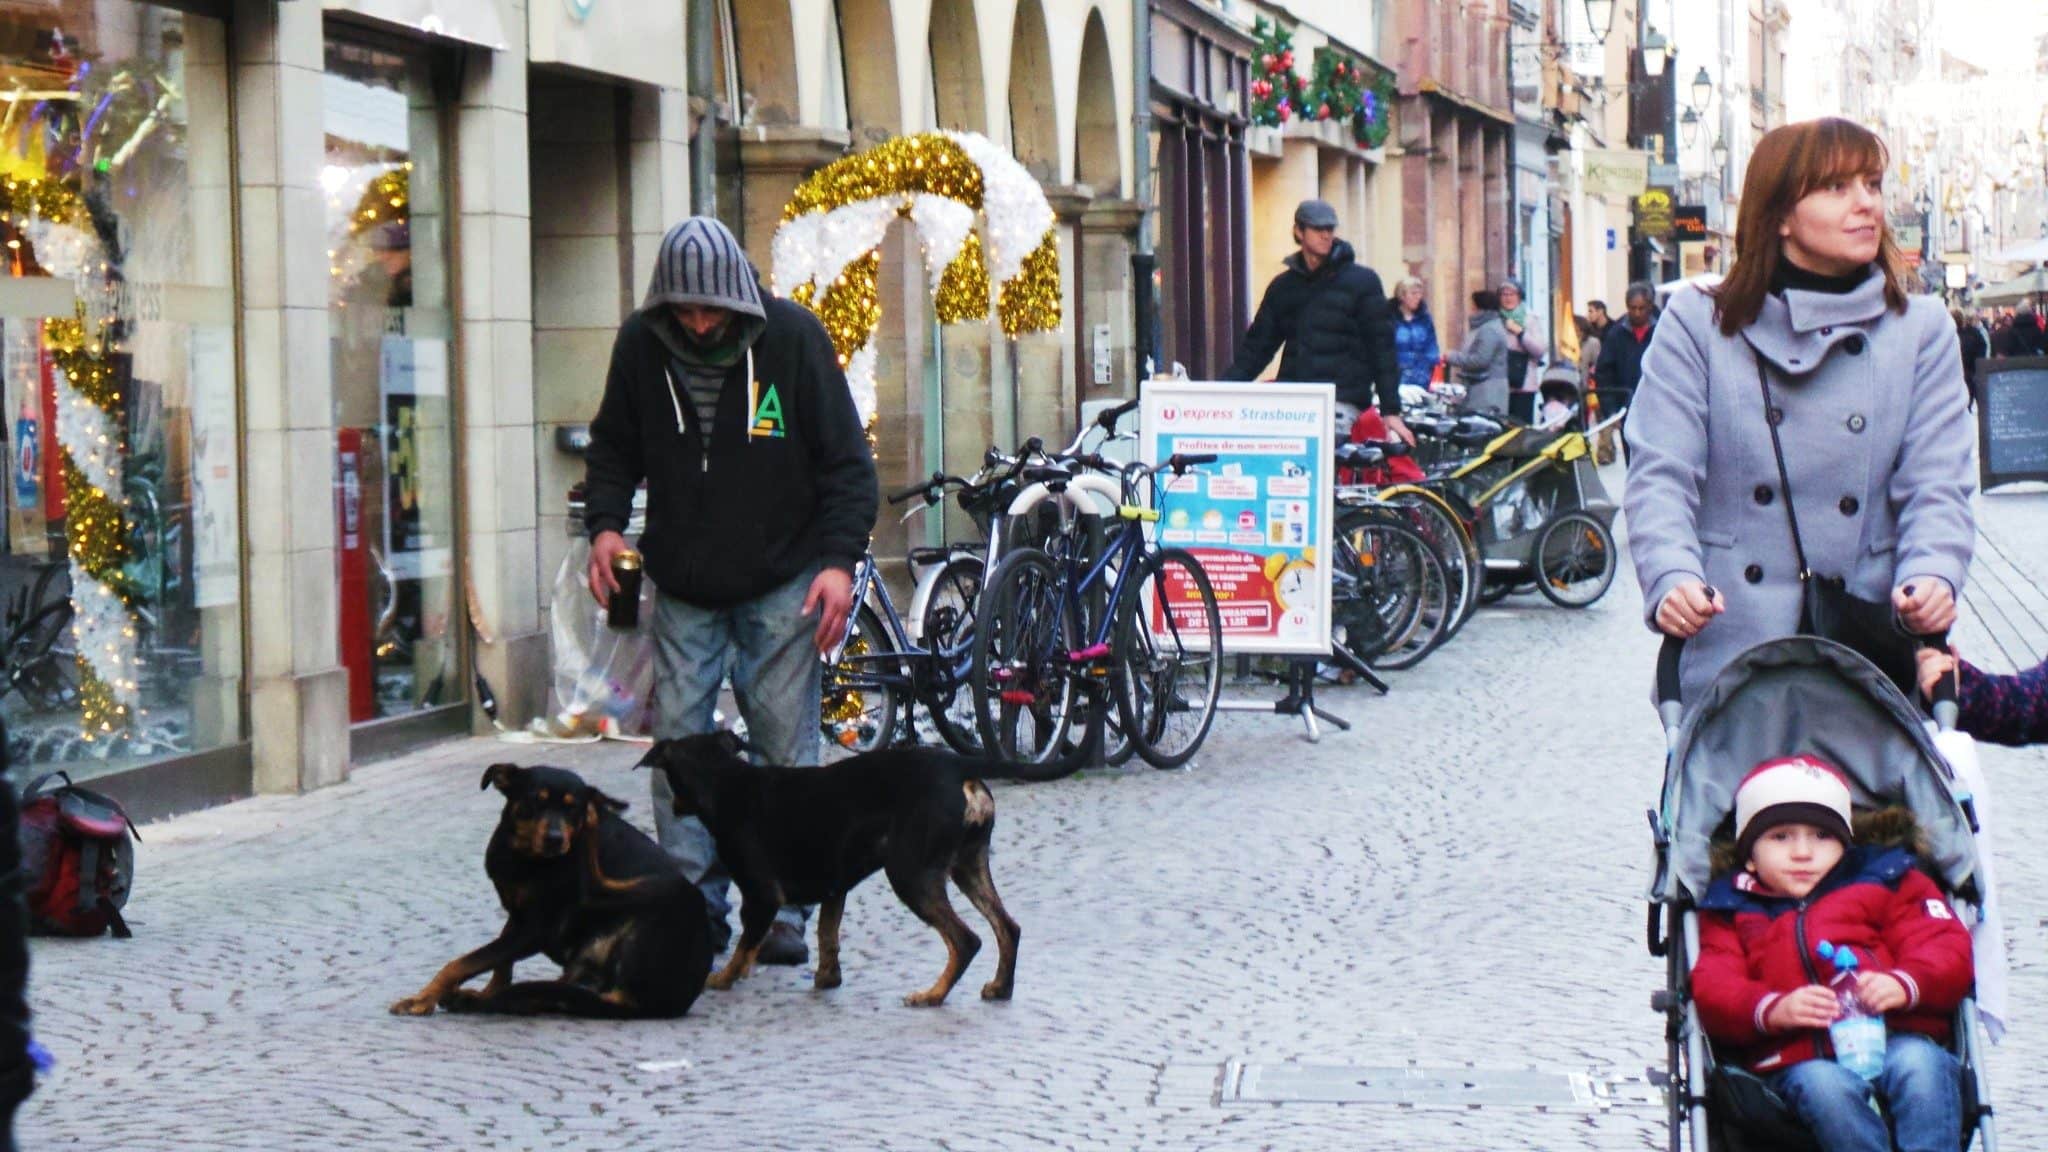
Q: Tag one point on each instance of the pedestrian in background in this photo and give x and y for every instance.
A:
(1597, 318)
(1332, 316)
(760, 499)
(1974, 348)
(1811, 343)
(1482, 363)
(2022, 337)
(1620, 367)
(1527, 344)
(1415, 345)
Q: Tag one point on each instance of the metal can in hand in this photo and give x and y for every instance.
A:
(624, 611)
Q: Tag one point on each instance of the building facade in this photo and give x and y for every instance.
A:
(307, 302)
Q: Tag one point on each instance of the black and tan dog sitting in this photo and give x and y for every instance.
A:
(592, 893)
(810, 835)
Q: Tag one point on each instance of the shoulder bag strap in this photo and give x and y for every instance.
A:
(1771, 417)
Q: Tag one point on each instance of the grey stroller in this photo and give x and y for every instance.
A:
(1800, 694)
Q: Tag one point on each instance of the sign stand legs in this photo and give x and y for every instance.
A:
(1300, 700)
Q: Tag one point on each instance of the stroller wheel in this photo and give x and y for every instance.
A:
(1574, 560)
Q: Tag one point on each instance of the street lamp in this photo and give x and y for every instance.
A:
(1721, 153)
(1600, 15)
(1689, 127)
(1702, 89)
(1655, 54)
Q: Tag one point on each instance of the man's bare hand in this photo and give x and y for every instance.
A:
(831, 597)
(603, 550)
(1813, 1006)
(1399, 429)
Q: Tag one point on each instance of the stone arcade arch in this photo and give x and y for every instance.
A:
(1034, 106)
(959, 100)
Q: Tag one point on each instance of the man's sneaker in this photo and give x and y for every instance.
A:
(784, 946)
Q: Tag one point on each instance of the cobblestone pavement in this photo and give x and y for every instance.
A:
(1457, 881)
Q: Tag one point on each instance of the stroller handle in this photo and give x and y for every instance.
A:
(1944, 706)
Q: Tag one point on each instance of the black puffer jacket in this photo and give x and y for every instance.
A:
(1337, 326)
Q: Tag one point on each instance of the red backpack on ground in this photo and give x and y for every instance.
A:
(77, 859)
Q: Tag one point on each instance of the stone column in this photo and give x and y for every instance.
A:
(297, 688)
(1109, 231)
(774, 159)
(494, 324)
(1046, 388)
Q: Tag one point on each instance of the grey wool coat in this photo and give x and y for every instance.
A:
(1483, 363)
(1878, 443)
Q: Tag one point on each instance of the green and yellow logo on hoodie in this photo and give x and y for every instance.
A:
(767, 419)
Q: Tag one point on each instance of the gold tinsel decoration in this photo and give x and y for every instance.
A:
(93, 520)
(388, 198)
(1031, 300)
(852, 306)
(963, 289)
(926, 162)
(40, 198)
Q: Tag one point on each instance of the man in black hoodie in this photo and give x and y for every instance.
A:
(1332, 314)
(761, 494)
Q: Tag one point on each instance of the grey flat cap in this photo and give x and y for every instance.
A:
(1315, 214)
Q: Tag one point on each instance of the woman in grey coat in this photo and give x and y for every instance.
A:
(1867, 387)
(1482, 363)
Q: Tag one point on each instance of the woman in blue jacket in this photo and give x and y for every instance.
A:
(1415, 345)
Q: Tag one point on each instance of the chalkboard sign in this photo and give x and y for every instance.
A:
(2012, 420)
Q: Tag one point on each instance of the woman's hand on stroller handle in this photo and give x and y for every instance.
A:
(1925, 604)
(1688, 608)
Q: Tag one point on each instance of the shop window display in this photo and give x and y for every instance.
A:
(390, 326)
(120, 575)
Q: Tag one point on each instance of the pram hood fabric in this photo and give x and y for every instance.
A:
(1802, 694)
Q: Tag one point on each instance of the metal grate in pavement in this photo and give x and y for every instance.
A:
(1415, 1086)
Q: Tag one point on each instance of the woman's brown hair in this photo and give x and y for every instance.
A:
(1788, 163)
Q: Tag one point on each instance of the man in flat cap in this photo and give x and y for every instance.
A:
(1331, 314)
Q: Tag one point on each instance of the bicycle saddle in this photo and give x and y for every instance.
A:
(1360, 455)
(1048, 474)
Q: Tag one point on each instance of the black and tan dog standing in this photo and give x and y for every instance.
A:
(592, 893)
(810, 835)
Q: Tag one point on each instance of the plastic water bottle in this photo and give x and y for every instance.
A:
(1858, 1035)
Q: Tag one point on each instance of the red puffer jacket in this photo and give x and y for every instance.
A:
(1756, 947)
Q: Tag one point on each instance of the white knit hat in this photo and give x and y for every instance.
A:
(1791, 790)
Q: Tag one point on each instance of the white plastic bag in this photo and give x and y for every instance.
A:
(603, 676)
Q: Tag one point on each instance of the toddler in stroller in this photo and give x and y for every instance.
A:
(1803, 731)
(1796, 876)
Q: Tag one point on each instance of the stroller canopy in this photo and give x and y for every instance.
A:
(1805, 694)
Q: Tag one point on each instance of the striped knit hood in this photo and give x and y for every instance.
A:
(701, 263)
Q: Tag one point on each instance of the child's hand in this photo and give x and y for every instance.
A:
(1813, 1006)
(1880, 992)
(1934, 664)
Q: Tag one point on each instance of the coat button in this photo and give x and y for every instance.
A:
(1774, 415)
(1854, 344)
(1850, 506)
(1754, 574)
(1827, 331)
(1763, 493)
(1856, 422)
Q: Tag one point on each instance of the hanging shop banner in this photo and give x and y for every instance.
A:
(1258, 519)
(413, 376)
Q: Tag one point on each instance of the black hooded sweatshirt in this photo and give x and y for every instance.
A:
(783, 479)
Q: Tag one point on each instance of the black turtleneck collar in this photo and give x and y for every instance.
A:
(1790, 275)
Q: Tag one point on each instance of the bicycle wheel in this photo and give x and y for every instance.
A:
(948, 631)
(1574, 560)
(1024, 698)
(860, 704)
(36, 666)
(1439, 518)
(1169, 657)
(1390, 603)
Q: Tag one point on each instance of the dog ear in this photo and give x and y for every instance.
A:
(599, 799)
(656, 757)
(502, 775)
(730, 741)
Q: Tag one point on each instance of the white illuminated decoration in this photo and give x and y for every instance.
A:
(943, 225)
(1018, 213)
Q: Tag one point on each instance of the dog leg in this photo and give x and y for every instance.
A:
(924, 890)
(508, 948)
(459, 998)
(970, 872)
(829, 914)
(754, 927)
